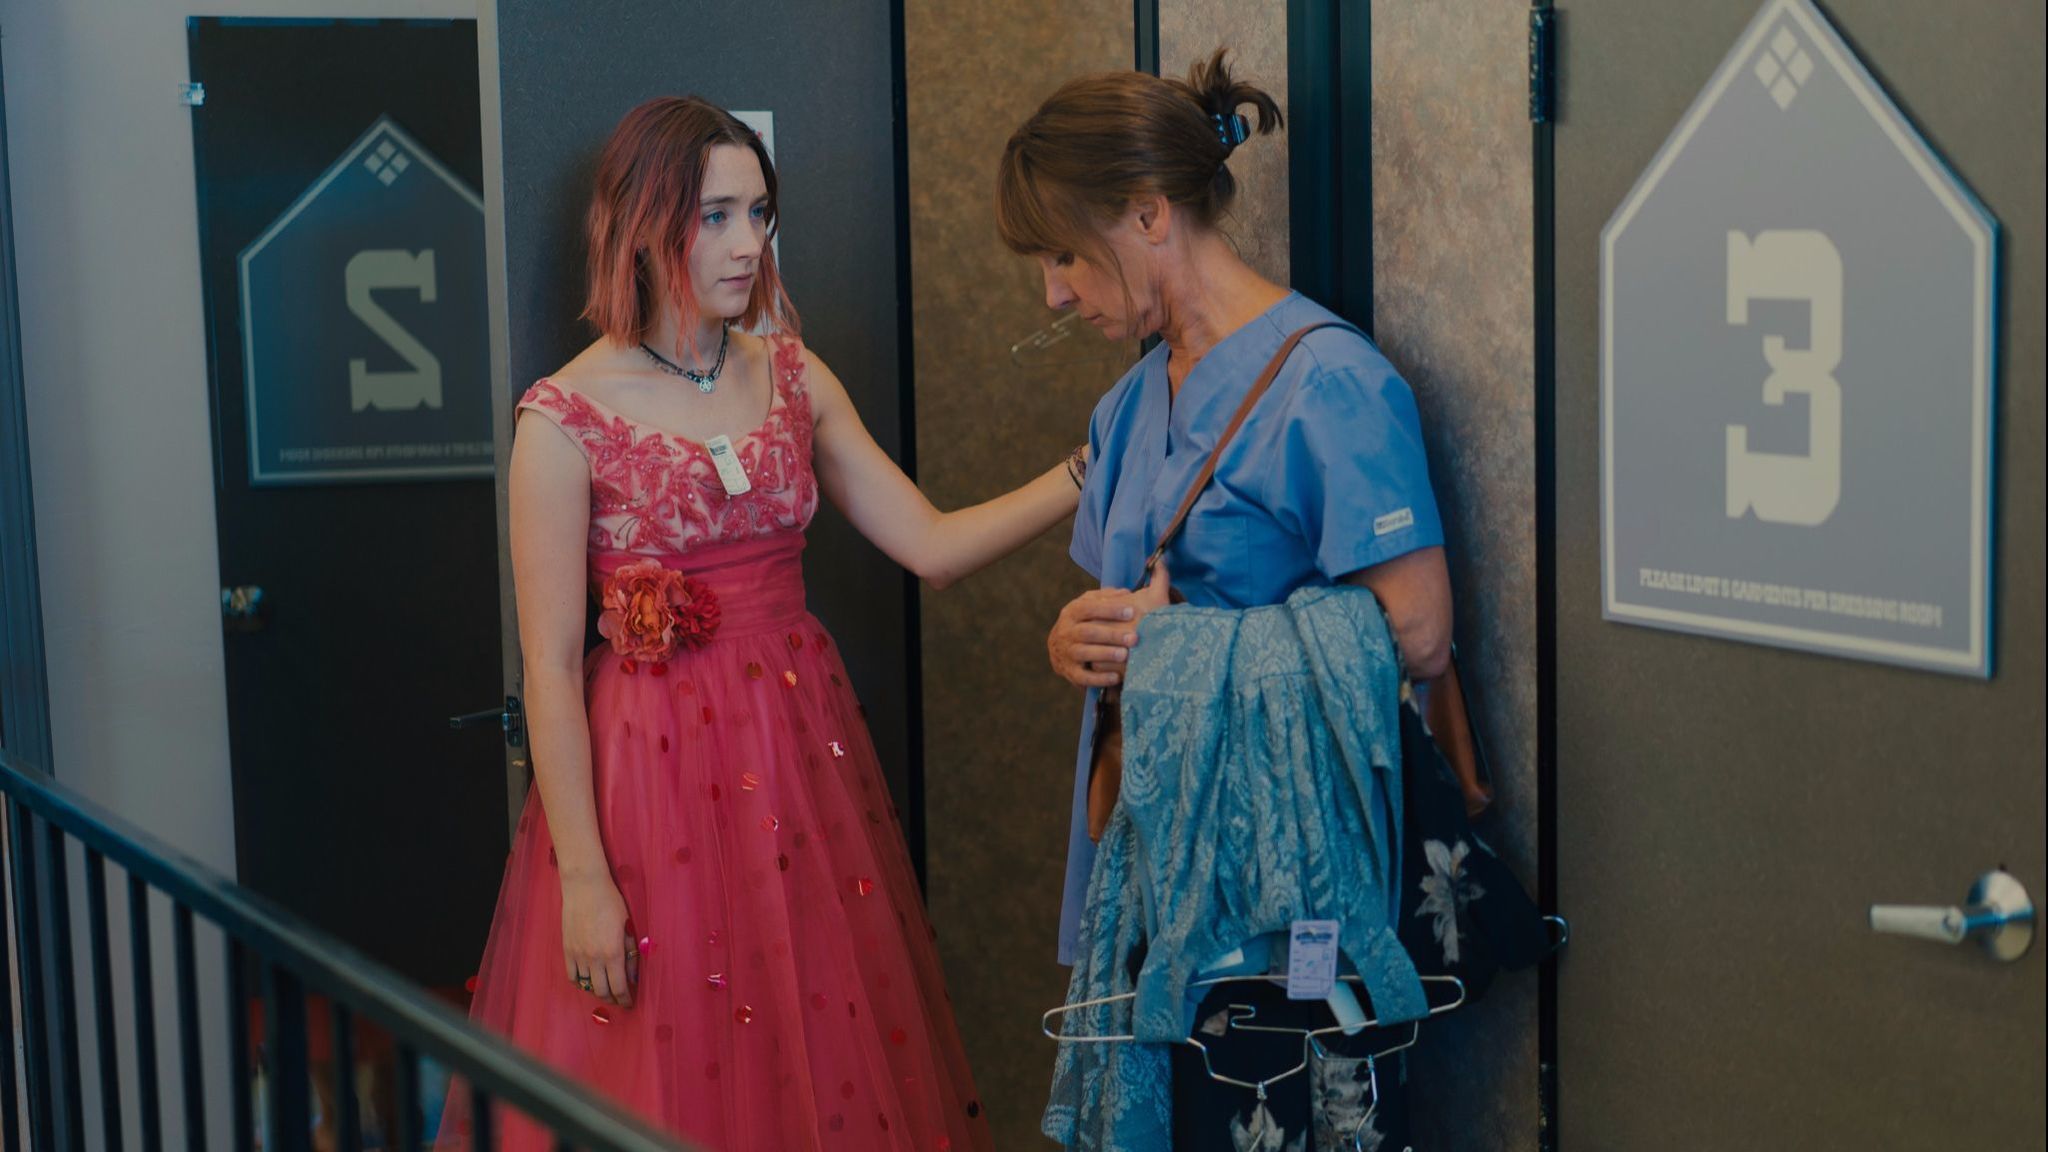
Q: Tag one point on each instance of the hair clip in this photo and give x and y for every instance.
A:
(1233, 129)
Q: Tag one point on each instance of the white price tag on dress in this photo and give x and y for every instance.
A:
(730, 472)
(1311, 959)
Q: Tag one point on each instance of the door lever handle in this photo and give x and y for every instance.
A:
(508, 718)
(1998, 914)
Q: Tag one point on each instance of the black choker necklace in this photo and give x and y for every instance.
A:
(705, 381)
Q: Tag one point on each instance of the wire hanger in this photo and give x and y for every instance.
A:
(1372, 1077)
(1240, 1023)
(1313, 1049)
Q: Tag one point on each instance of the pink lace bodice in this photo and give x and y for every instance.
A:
(656, 494)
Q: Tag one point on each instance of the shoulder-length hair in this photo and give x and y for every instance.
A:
(643, 218)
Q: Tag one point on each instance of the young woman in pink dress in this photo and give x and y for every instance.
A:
(709, 913)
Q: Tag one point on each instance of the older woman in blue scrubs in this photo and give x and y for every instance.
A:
(1116, 185)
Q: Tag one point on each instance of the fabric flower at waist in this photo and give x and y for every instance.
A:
(649, 611)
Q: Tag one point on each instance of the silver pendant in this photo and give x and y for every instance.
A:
(707, 386)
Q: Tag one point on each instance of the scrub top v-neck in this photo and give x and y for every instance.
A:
(1326, 477)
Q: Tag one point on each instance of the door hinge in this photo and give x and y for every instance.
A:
(1542, 63)
(1546, 1108)
(192, 95)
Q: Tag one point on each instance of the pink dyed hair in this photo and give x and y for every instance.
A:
(644, 203)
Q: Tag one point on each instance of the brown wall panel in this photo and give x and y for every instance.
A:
(1452, 203)
(1255, 31)
(999, 728)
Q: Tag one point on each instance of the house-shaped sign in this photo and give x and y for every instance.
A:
(364, 345)
(1797, 304)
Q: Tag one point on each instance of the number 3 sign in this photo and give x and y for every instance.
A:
(1796, 369)
(1804, 266)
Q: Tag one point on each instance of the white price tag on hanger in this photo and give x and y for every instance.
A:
(1311, 959)
(730, 472)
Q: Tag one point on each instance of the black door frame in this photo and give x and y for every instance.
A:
(915, 827)
(1329, 102)
(1145, 35)
(1543, 32)
(24, 679)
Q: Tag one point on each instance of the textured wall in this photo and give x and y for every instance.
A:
(1255, 31)
(1453, 292)
(105, 212)
(999, 729)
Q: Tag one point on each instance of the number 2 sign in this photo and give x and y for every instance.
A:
(419, 385)
(365, 347)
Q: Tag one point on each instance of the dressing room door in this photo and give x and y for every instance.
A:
(341, 247)
(1727, 812)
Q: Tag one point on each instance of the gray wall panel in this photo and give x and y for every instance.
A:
(568, 72)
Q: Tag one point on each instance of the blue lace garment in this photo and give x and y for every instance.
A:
(1262, 785)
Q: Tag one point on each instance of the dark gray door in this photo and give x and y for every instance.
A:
(376, 620)
(1727, 813)
(828, 74)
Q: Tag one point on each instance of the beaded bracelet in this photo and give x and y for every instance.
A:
(1077, 467)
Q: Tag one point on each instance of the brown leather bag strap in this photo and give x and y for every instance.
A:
(1244, 410)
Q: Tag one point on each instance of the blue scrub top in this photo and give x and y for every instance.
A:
(1326, 477)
